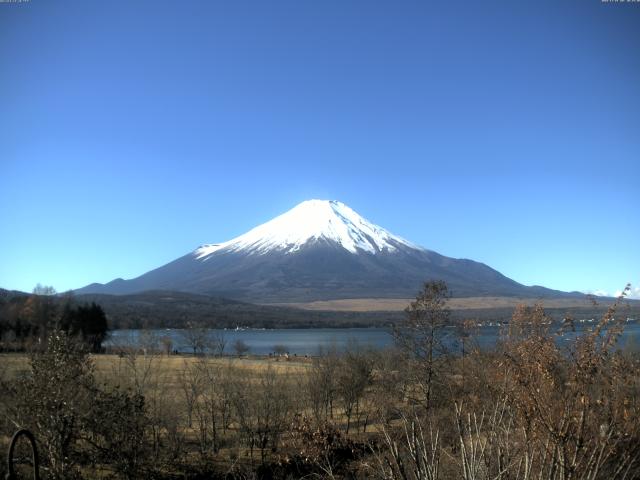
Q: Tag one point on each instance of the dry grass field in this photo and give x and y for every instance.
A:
(15, 362)
(179, 392)
(399, 304)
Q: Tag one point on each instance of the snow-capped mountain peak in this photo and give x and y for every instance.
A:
(309, 221)
(319, 250)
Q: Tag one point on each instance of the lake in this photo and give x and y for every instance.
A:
(311, 341)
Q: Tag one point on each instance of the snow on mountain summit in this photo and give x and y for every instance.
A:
(312, 220)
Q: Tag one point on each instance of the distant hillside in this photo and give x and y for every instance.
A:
(165, 309)
(159, 309)
(162, 309)
(9, 294)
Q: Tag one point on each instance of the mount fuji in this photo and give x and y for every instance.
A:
(319, 250)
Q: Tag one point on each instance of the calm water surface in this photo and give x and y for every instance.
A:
(312, 341)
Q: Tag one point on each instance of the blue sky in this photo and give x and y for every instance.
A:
(506, 132)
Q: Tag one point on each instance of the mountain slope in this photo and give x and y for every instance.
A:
(319, 250)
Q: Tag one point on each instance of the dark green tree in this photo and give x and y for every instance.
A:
(87, 321)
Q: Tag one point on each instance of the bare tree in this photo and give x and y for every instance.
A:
(191, 384)
(279, 349)
(353, 377)
(140, 368)
(241, 347)
(195, 337)
(41, 313)
(420, 334)
(167, 344)
(263, 409)
(217, 343)
(136, 359)
(213, 406)
(321, 384)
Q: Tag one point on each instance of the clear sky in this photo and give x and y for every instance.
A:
(507, 132)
